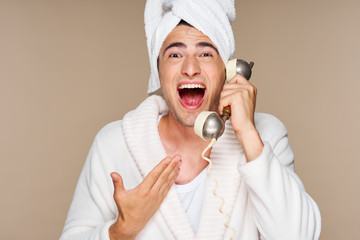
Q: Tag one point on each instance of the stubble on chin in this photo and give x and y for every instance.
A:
(189, 118)
(185, 121)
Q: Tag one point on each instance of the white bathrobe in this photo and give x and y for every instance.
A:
(266, 198)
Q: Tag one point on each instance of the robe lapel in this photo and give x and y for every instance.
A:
(141, 134)
(225, 156)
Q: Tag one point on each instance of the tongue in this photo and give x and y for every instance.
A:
(191, 97)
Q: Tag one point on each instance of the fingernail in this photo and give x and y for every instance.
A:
(180, 162)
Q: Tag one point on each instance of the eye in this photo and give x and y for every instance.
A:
(207, 54)
(174, 55)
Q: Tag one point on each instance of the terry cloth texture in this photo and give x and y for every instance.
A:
(265, 196)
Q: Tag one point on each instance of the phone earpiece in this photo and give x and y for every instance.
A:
(209, 125)
(238, 66)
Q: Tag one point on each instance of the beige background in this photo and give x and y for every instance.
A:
(67, 68)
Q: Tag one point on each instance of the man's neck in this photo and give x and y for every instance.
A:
(182, 140)
(172, 133)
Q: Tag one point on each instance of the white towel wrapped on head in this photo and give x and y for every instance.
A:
(211, 17)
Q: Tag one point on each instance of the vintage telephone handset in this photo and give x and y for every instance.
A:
(209, 125)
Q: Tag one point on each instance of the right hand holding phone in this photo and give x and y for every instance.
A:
(240, 95)
(136, 206)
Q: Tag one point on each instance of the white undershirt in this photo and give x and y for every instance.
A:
(191, 196)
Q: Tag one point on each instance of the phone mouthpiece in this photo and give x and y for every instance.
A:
(209, 125)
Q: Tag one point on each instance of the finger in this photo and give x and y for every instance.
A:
(238, 78)
(228, 92)
(228, 86)
(231, 100)
(153, 176)
(164, 189)
(164, 178)
(243, 97)
(235, 86)
(117, 181)
(118, 189)
(246, 90)
(224, 101)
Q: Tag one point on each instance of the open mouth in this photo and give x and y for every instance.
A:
(191, 95)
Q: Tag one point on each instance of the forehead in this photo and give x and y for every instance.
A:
(184, 33)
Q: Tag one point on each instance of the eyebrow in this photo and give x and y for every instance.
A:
(182, 45)
(206, 44)
(174, 44)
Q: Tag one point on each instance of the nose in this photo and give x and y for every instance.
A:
(190, 67)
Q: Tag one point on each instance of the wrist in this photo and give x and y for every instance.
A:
(117, 231)
(246, 133)
(251, 143)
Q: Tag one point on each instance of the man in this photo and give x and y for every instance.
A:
(158, 188)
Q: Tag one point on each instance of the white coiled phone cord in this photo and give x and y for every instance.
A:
(226, 224)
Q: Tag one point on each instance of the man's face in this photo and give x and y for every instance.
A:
(191, 73)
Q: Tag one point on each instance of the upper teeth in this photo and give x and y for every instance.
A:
(191, 86)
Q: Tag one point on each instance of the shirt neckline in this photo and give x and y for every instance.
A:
(188, 187)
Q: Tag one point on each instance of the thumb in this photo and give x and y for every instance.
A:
(117, 181)
(118, 189)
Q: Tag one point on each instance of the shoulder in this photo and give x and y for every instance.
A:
(110, 146)
(269, 127)
(266, 120)
(110, 129)
(110, 134)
